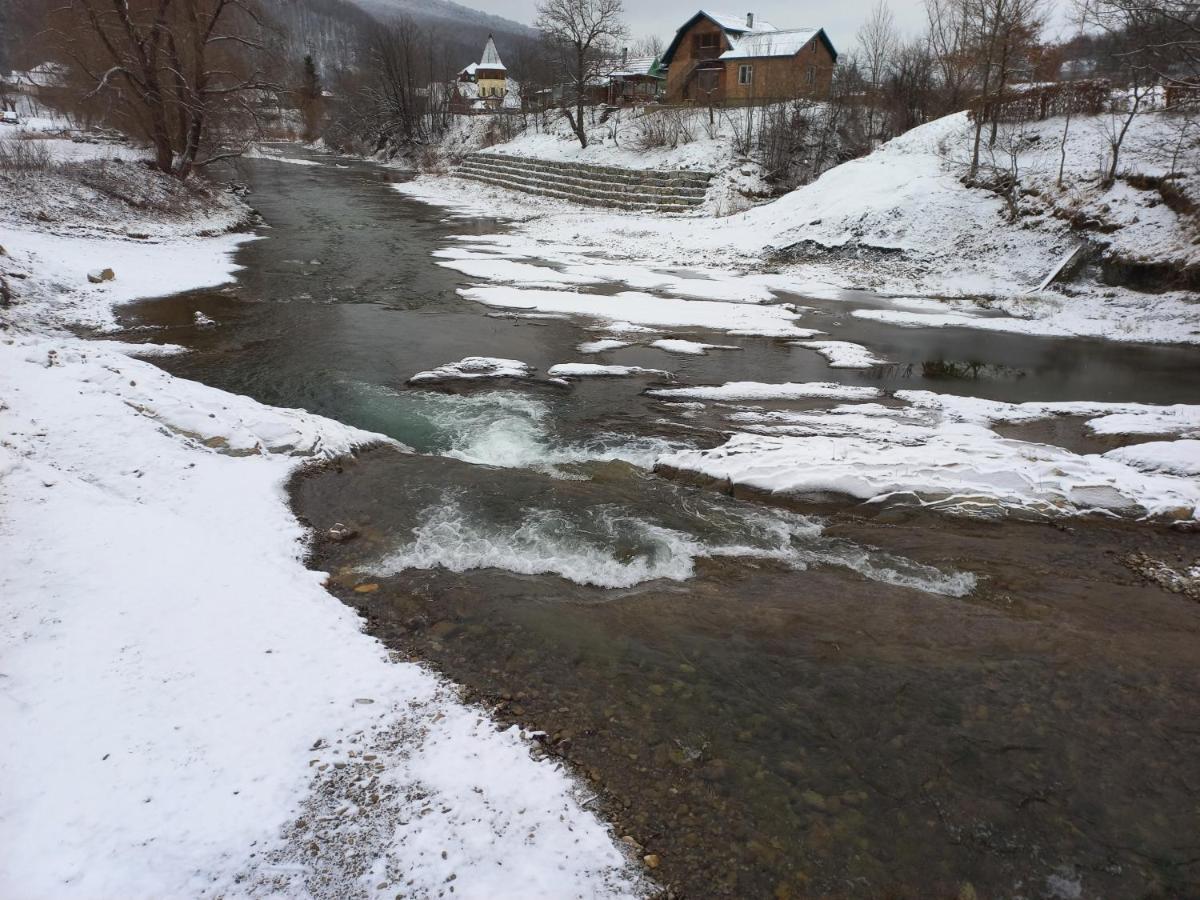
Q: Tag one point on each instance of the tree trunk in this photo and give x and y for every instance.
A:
(987, 76)
(1119, 138)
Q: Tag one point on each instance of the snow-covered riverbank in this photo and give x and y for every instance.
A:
(901, 222)
(188, 712)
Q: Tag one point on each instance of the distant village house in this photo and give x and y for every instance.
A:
(717, 58)
(483, 85)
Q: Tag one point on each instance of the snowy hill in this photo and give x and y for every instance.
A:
(444, 12)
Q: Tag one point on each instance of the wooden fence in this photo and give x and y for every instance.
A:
(1043, 101)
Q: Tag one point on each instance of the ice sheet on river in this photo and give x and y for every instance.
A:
(643, 309)
(940, 451)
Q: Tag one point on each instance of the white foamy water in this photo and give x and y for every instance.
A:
(609, 547)
(545, 542)
(513, 431)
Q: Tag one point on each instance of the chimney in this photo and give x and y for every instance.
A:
(749, 20)
(624, 57)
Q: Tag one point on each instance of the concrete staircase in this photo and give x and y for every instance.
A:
(655, 190)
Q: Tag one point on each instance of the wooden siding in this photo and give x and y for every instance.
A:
(689, 53)
(808, 73)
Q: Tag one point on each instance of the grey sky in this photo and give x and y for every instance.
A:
(662, 17)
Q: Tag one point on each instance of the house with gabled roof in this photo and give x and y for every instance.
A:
(485, 84)
(721, 58)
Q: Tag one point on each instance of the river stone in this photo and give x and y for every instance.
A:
(813, 799)
(96, 276)
(651, 860)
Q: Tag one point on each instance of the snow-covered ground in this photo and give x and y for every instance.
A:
(901, 222)
(187, 711)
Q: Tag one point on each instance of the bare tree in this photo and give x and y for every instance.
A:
(998, 30)
(1152, 40)
(877, 41)
(183, 73)
(949, 42)
(909, 89)
(651, 45)
(1116, 126)
(584, 34)
(1157, 37)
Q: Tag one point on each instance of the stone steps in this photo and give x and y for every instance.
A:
(639, 182)
(607, 186)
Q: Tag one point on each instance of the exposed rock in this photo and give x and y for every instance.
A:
(651, 860)
(97, 276)
(340, 533)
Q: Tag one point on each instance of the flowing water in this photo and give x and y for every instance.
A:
(814, 701)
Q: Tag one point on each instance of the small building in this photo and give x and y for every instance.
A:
(489, 75)
(719, 58)
(637, 79)
(484, 85)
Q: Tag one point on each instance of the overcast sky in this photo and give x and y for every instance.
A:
(840, 20)
(662, 17)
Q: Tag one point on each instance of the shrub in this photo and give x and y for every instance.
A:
(663, 128)
(18, 155)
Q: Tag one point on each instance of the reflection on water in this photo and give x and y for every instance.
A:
(973, 370)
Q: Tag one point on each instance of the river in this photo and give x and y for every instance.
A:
(776, 701)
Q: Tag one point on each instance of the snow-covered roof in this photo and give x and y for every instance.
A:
(469, 70)
(737, 30)
(635, 65)
(770, 43)
(738, 23)
(491, 56)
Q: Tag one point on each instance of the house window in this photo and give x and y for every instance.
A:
(745, 74)
(811, 74)
(708, 40)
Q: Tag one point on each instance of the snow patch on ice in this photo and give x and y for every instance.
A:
(1170, 457)
(941, 452)
(692, 348)
(601, 345)
(593, 370)
(757, 390)
(645, 310)
(843, 354)
(472, 367)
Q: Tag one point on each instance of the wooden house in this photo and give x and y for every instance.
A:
(718, 58)
(636, 79)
